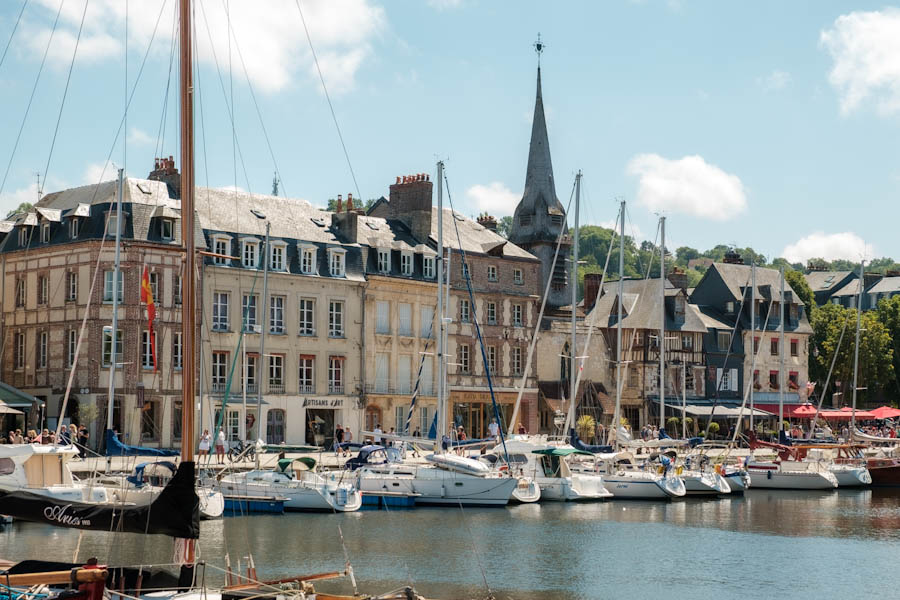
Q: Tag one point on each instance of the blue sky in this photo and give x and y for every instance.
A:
(771, 124)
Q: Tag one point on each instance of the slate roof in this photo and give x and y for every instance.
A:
(474, 237)
(641, 307)
(886, 285)
(821, 281)
(768, 282)
(851, 289)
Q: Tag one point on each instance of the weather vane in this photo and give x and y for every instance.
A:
(539, 47)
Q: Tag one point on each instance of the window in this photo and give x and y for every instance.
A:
(773, 346)
(20, 292)
(71, 345)
(150, 420)
(729, 307)
(307, 316)
(773, 380)
(177, 351)
(167, 229)
(793, 380)
(525, 220)
(492, 273)
(219, 371)
(307, 374)
(250, 382)
(275, 425)
(154, 285)
(516, 361)
(428, 267)
(426, 326)
(727, 380)
(276, 257)
(464, 366)
(724, 340)
(383, 317)
(335, 374)
(220, 311)
(517, 315)
(43, 289)
(108, 278)
(404, 319)
(176, 291)
(382, 372)
(23, 237)
(248, 308)
(222, 248)
(308, 260)
(795, 347)
(756, 383)
(687, 341)
(147, 349)
(404, 374)
(426, 416)
(276, 314)
(517, 277)
(42, 350)
(755, 344)
(426, 379)
(45, 233)
(465, 270)
(336, 263)
(248, 254)
(492, 359)
(384, 261)
(73, 228)
(464, 311)
(71, 286)
(406, 263)
(335, 319)
(276, 374)
(177, 414)
(400, 413)
(108, 347)
(492, 313)
(19, 351)
(113, 224)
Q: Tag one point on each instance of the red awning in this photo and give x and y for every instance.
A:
(846, 413)
(791, 411)
(886, 412)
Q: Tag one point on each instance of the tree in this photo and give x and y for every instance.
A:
(798, 283)
(585, 426)
(888, 312)
(504, 226)
(22, 208)
(332, 204)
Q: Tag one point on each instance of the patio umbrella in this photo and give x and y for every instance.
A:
(886, 412)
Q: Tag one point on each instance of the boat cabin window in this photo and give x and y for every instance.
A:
(7, 466)
(44, 470)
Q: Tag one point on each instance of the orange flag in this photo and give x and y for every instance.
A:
(147, 298)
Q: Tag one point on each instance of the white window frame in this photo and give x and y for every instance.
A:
(154, 285)
(383, 317)
(465, 359)
(250, 312)
(221, 247)
(517, 318)
(465, 311)
(73, 228)
(23, 237)
(276, 371)
(428, 267)
(515, 360)
(336, 384)
(335, 318)
(45, 232)
(492, 359)
(306, 374)
(176, 289)
(276, 314)
(307, 308)
(491, 313)
(113, 224)
(167, 229)
(146, 350)
(277, 256)
(108, 277)
(220, 311)
(307, 259)
(108, 347)
(404, 325)
(43, 289)
(177, 351)
(426, 321)
(337, 262)
(517, 277)
(218, 371)
(406, 263)
(71, 345)
(71, 286)
(43, 339)
(20, 292)
(19, 351)
(250, 253)
(492, 273)
(384, 260)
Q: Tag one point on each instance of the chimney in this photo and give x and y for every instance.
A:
(591, 289)
(410, 203)
(164, 170)
(339, 206)
(892, 273)
(870, 279)
(349, 202)
(488, 222)
(733, 257)
(678, 278)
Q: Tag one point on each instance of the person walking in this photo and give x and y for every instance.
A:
(338, 439)
(348, 437)
(220, 448)
(494, 429)
(205, 441)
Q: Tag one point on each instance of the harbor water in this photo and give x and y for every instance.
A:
(763, 545)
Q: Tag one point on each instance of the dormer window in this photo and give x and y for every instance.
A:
(45, 232)
(308, 259)
(167, 229)
(276, 256)
(428, 267)
(249, 252)
(336, 262)
(222, 248)
(384, 260)
(113, 225)
(73, 228)
(406, 263)
(23, 236)
(729, 307)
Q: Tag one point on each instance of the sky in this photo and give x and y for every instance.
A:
(768, 124)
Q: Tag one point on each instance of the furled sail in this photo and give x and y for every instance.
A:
(114, 447)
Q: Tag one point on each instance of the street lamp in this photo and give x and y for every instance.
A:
(264, 255)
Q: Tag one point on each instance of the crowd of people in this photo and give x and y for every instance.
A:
(70, 434)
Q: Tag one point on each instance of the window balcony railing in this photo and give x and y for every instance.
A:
(276, 388)
(252, 388)
(335, 389)
(218, 387)
(307, 388)
(392, 387)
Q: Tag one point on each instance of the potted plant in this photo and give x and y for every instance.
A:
(585, 427)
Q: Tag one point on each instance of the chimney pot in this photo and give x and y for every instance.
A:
(398, 179)
(349, 202)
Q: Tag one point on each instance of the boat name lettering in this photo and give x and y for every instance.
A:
(323, 403)
(58, 514)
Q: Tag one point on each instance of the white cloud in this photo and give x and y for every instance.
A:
(830, 246)
(271, 39)
(139, 137)
(494, 198)
(444, 4)
(865, 48)
(774, 81)
(687, 185)
(630, 229)
(94, 173)
(10, 200)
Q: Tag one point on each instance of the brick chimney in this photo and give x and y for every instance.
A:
(410, 203)
(488, 222)
(349, 205)
(164, 170)
(591, 289)
(678, 278)
(340, 206)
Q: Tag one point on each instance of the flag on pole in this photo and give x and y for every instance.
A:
(147, 298)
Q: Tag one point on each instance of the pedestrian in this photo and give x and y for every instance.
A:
(348, 437)
(377, 431)
(520, 429)
(220, 448)
(205, 441)
(494, 429)
(73, 433)
(417, 433)
(83, 438)
(391, 441)
(338, 439)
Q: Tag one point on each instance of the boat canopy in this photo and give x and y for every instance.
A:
(561, 452)
(116, 448)
(307, 463)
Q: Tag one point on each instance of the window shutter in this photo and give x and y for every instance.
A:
(732, 379)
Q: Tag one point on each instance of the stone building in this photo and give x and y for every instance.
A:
(57, 269)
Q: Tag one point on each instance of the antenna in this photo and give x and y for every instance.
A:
(37, 175)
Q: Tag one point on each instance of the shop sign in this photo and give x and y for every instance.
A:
(323, 403)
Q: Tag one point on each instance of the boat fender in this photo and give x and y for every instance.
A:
(768, 474)
(679, 470)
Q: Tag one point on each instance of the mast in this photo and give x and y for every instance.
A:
(570, 418)
(683, 399)
(781, 357)
(615, 423)
(441, 417)
(752, 334)
(262, 336)
(856, 349)
(662, 323)
(115, 342)
(184, 548)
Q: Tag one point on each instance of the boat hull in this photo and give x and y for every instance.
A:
(885, 472)
(771, 477)
(639, 488)
(738, 481)
(435, 486)
(526, 491)
(704, 484)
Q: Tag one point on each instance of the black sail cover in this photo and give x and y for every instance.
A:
(175, 512)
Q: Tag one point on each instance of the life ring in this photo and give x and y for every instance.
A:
(503, 468)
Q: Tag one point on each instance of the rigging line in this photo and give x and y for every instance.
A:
(65, 94)
(328, 98)
(13, 32)
(161, 132)
(31, 98)
(125, 97)
(227, 5)
(828, 377)
(757, 352)
(262, 124)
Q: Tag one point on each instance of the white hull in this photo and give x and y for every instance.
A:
(851, 476)
(774, 476)
(120, 490)
(320, 495)
(644, 486)
(432, 485)
(526, 491)
(704, 484)
(577, 487)
(738, 481)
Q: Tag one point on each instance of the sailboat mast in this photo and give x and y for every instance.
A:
(781, 382)
(570, 419)
(441, 417)
(662, 323)
(752, 334)
(114, 341)
(856, 349)
(621, 288)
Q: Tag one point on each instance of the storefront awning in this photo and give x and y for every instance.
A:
(727, 412)
(15, 397)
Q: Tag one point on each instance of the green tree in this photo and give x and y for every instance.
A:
(24, 207)
(888, 312)
(504, 226)
(685, 254)
(332, 204)
(798, 283)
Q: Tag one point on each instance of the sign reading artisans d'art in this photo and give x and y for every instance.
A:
(323, 403)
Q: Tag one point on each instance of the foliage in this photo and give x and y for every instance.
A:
(585, 426)
(797, 281)
(332, 204)
(87, 413)
(504, 224)
(888, 312)
(673, 423)
(22, 208)
(713, 428)
(688, 421)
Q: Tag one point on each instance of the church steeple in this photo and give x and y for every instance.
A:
(540, 188)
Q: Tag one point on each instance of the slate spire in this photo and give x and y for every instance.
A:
(539, 173)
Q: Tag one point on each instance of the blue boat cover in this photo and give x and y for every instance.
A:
(138, 477)
(579, 445)
(116, 448)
